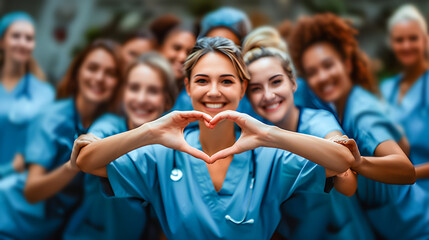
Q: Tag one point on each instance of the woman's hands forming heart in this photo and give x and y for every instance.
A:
(168, 131)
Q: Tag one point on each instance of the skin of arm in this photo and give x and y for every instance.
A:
(422, 171)
(167, 130)
(42, 184)
(346, 182)
(389, 165)
(255, 134)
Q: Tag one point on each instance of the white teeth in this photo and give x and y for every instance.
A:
(141, 112)
(272, 106)
(214, 105)
(328, 88)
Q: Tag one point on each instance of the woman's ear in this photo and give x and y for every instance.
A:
(244, 87)
(187, 85)
(294, 85)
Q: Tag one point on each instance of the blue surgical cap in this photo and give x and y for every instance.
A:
(228, 17)
(10, 18)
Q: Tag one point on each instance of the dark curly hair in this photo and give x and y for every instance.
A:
(337, 32)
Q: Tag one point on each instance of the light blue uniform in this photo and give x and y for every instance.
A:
(183, 103)
(322, 216)
(18, 109)
(50, 144)
(99, 217)
(186, 202)
(395, 211)
(412, 114)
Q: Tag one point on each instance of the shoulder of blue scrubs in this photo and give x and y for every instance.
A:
(317, 122)
(108, 125)
(365, 119)
(304, 97)
(135, 173)
(49, 133)
(387, 87)
(183, 102)
(291, 173)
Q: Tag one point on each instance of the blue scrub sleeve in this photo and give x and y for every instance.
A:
(107, 125)
(42, 144)
(372, 128)
(304, 175)
(133, 174)
(321, 123)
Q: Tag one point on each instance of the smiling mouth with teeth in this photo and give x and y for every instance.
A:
(214, 105)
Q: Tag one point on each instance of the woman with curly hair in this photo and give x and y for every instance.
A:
(327, 55)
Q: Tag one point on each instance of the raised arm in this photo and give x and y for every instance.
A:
(256, 134)
(42, 184)
(167, 131)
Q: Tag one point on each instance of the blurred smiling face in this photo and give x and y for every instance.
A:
(409, 42)
(215, 89)
(97, 77)
(134, 48)
(326, 72)
(270, 90)
(18, 41)
(176, 48)
(144, 97)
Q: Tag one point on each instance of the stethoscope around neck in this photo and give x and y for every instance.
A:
(177, 174)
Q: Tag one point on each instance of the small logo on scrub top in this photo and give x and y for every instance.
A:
(176, 174)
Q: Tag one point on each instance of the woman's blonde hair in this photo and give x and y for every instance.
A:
(221, 45)
(267, 42)
(157, 62)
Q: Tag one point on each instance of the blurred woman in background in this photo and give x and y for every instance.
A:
(148, 92)
(175, 41)
(135, 45)
(327, 54)
(408, 92)
(53, 188)
(23, 92)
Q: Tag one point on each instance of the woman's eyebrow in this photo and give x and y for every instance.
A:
(227, 75)
(200, 75)
(271, 78)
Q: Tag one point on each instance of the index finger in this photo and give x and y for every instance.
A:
(230, 115)
(197, 115)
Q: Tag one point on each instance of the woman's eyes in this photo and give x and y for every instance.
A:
(277, 82)
(201, 80)
(227, 81)
(255, 89)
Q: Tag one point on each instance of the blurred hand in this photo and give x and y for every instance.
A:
(168, 131)
(351, 145)
(18, 163)
(79, 143)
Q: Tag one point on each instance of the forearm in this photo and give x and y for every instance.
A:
(346, 183)
(320, 151)
(422, 171)
(99, 154)
(42, 185)
(391, 169)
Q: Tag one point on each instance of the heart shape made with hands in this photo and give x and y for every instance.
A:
(250, 128)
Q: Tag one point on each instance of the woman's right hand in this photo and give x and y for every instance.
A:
(351, 145)
(168, 131)
(79, 143)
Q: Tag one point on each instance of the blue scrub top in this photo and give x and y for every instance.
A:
(51, 138)
(106, 218)
(322, 216)
(412, 114)
(188, 206)
(395, 211)
(17, 109)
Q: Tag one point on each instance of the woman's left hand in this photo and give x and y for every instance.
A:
(253, 133)
(79, 143)
(351, 145)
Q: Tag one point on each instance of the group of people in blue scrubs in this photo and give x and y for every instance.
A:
(229, 133)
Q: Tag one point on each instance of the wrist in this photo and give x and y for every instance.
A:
(268, 136)
(357, 165)
(72, 167)
(148, 134)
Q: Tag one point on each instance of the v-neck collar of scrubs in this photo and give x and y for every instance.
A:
(19, 88)
(409, 98)
(238, 168)
(79, 128)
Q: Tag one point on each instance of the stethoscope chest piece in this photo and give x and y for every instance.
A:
(176, 174)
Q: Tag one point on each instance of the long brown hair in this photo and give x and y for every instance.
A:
(337, 32)
(68, 87)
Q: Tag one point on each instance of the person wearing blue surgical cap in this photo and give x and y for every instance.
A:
(327, 54)
(229, 23)
(23, 92)
(408, 93)
(36, 204)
